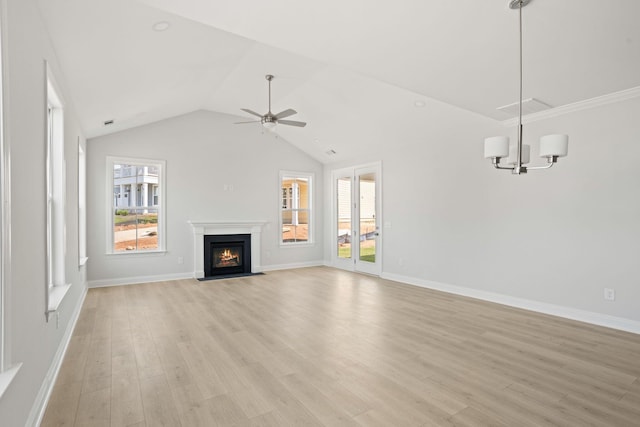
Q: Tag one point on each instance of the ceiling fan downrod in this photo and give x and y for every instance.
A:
(269, 77)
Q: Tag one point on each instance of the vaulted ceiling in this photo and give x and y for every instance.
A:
(343, 65)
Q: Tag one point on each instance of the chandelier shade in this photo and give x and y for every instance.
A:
(496, 146)
(554, 146)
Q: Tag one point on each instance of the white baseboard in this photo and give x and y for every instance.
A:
(178, 276)
(37, 410)
(139, 279)
(292, 265)
(540, 307)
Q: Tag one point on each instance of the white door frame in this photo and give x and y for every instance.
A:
(353, 263)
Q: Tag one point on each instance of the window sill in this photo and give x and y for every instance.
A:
(7, 376)
(82, 261)
(138, 253)
(297, 245)
(56, 295)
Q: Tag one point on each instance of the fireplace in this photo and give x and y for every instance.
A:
(227, 254)
(226, 228)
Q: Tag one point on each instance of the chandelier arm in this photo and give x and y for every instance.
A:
(497, 166)
(540, 167)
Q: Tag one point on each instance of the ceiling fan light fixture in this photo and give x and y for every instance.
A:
(269, 125)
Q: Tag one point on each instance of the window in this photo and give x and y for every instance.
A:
(8, 368)
(295, 207)
(4, 227)
(136, 205)
(56, 286)
(82, 205)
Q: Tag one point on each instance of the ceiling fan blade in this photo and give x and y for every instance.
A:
(292, 123)
(285, 113)
(246, 110)
(243, 123)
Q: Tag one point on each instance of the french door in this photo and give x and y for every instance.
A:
(357, 215)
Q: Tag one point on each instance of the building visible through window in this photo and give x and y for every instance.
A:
(136, 205)
(295, 214)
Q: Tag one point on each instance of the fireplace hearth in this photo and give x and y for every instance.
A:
(227, 255)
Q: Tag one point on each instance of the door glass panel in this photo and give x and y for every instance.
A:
(344, 217)
(368, 231)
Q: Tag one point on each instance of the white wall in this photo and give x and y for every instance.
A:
(204, 151)
(550, 240)
(32, 340)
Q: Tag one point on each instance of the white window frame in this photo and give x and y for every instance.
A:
(8, 368)
(82, 205)
(56, 286)
(162, 205)
(310, 177)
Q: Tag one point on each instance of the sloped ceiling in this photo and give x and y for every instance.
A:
(343, 65)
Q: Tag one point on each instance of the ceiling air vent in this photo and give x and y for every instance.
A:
(529, 106)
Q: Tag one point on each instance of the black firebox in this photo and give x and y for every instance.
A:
(227, 254)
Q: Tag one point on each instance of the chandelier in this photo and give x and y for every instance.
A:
(497, 148)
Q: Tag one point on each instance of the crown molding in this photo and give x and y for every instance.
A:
(598, 101)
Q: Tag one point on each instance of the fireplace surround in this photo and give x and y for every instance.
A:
(203, 228)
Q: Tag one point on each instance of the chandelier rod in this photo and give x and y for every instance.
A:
(519, 148)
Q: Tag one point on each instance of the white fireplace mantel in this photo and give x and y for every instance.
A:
(203, 228)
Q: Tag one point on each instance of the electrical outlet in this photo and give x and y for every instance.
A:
(57, 320)
(180, 260)
(609, 294)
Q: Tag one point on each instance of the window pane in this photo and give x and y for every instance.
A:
(301, 194)
(295, 226)
(136, 203)
(368, 230)
(344, 217)
(295, 195)
(124, 230)
(147, 229)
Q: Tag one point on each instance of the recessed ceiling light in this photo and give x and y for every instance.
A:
(419, 103)
(161, 26)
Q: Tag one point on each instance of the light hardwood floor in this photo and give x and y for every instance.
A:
(319, 346)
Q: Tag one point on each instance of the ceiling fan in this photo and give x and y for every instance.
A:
(270, 120)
